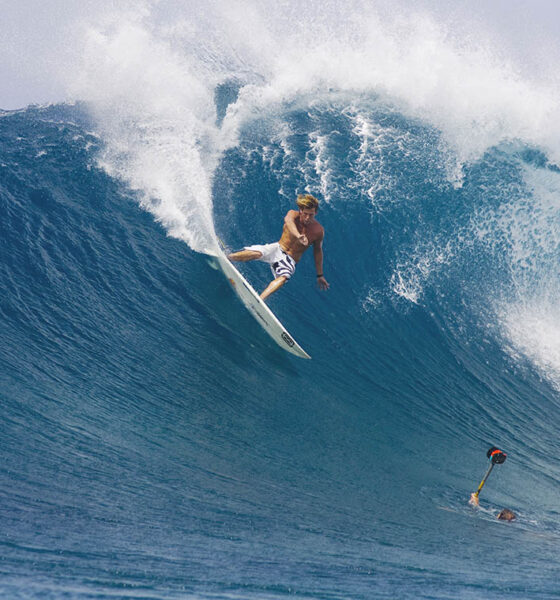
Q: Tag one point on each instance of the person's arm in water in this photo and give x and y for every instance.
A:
(318, 256)
(290, 221)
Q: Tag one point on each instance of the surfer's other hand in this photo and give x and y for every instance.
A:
(323, 283)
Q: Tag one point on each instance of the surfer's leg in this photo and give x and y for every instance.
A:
(245, 255)
(274, 286)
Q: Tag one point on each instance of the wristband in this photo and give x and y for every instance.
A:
(321, 275)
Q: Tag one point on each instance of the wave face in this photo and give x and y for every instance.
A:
(155, 442)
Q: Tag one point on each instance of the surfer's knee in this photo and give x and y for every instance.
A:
(273, 286)
(280, 282)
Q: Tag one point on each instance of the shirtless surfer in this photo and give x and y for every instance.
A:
(300, 231)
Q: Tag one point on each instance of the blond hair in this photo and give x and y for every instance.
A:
(307, 201)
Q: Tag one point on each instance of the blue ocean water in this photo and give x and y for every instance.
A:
(157, 444)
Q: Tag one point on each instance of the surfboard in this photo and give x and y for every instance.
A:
(257, 307)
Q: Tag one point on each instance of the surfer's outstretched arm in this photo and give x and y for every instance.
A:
(318, 256)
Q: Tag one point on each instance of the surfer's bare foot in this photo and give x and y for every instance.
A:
(474, 501)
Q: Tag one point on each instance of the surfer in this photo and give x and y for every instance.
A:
(300, 231)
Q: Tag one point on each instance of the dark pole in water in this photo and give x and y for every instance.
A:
(497, 457)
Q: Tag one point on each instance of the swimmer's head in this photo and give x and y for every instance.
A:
(506, 515)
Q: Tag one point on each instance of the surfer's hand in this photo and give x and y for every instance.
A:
(474, 501)
(322, 283)
(303, 240)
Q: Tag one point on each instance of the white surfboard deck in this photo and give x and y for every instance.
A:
(258, 308)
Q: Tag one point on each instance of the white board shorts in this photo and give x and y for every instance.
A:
(281, 264)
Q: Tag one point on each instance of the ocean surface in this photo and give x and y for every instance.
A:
(157, 444)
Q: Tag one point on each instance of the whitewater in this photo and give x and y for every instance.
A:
(155, 442)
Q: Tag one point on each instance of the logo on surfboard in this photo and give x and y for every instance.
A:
(287, 339)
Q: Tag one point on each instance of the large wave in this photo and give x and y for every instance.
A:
(175, 86)
(188, 441)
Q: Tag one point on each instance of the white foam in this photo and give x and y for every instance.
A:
(370, 173)
(149, 71)
(319, 155)
(156, 117)
(529, 310)
(462, 86)
(532, 328)
(426, 260)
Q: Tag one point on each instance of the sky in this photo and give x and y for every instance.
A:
(40, 40)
